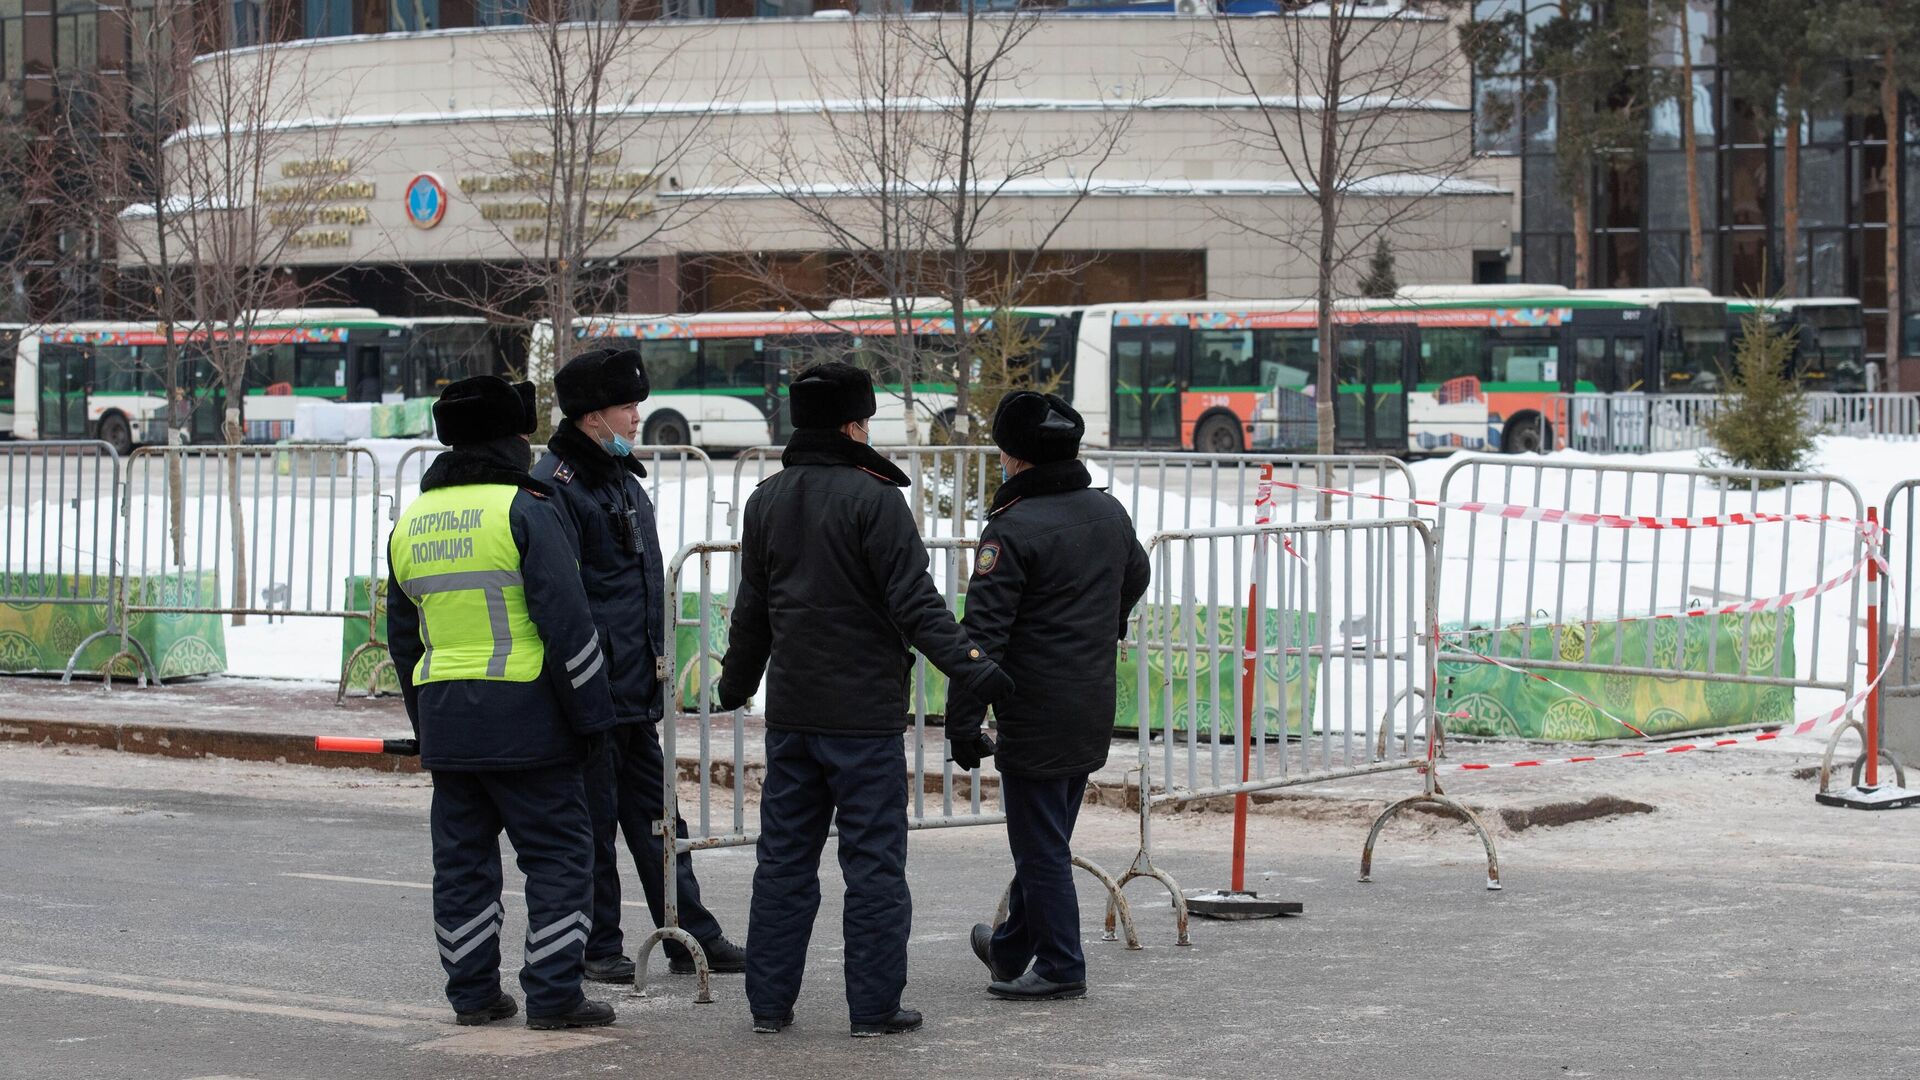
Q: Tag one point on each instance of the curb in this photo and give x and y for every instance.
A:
(280, 747)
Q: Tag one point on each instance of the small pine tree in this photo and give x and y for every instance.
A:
(1380, 282)
(1762, 421)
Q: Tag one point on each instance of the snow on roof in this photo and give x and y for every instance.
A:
(1401, 184)
(804, 106)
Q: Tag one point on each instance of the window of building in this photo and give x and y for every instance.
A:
(329, 18)
(413, 15)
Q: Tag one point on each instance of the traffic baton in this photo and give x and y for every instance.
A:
(344, 745)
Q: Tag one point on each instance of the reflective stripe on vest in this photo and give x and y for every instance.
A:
(453, 554)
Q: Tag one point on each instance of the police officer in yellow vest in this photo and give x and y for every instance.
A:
(506, 685)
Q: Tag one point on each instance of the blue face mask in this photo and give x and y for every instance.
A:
(616, 444)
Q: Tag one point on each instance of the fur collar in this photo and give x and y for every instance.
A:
(502, 461)
(1053, 478)
(818, 446)
(588, 458)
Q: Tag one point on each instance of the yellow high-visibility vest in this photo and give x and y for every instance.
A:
(453, 554)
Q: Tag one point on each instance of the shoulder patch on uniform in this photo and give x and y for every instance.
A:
(563, 472)
(987, 559)
(535, 494)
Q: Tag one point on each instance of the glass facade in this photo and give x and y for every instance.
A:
(1640, 229)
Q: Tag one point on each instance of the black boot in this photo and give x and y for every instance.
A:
(723, 958)
(1031, 987)
(772, 1025)
(982, 939)
(902, 1021)
(610, 969)
(502, 1007)
(586, 1014)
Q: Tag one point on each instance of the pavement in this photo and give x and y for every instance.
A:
(189, 919)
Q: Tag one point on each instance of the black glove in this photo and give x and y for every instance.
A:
(989, 684)
(967, 752)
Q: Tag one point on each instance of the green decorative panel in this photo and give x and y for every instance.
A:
(36, 636)
(363, 591)
(1499, 702)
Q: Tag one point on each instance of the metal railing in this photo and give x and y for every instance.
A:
(1278, 655)
(1635, 423)
(1699, 592)
(62, 549)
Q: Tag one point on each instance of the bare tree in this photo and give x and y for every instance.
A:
(1352, 133)
(570, 179)
(914, 185)
(224, 178)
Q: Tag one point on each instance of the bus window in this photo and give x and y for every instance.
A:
(321, 368)
(1693, 347)
(1446, 355)
(9, 344)
(117, 370)
(441, 353)
(270, 366)
(1521, 356)
(732, 364)
(671, 365)
(1222, 360)
(1289, 359)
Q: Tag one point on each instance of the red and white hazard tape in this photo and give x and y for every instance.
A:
(1547, 515)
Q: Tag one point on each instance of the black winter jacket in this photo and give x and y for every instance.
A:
(833, 589)
(478, 725)
(1056, 575)
(625, 588)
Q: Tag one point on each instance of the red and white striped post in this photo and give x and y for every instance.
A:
(1873, 650)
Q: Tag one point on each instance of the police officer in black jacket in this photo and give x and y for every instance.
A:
(1056, 574)
(505, 684)
(596, 485)
(833, 589)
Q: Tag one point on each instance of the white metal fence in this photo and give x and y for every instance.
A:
(1650, 423)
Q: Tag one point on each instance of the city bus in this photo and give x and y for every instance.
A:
(718, 381)
(1829, 345)
(108, 380)
(1432, 370)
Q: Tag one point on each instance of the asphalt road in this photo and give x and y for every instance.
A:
(179, 920)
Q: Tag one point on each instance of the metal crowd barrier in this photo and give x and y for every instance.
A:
(62, 549)
(949, 489)
(268, 531)
(1900, 673)
(1280, 655)
(1578, 593)
(725, 753)
(1638, 423)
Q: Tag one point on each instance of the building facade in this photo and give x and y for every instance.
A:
(1640, 232)
(744, 165)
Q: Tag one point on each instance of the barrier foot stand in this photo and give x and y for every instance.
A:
(1116, 904)
(1879, 797)
(130, 649)
(704, 993)
(1143, 868)
(1233, 905)
(1436, 798)
(346, 672)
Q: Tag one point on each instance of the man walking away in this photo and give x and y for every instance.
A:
(833, 588)
(1056, 575)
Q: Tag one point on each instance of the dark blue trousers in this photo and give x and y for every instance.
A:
(624, 795)
(810, 778)
(544, 813)
(1043, 914)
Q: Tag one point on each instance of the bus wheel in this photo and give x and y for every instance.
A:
(1218, 434)
(1526, 435)
(115, 432)
(665, 429)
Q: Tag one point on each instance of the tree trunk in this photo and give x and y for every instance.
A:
(1696, 247)
(1582, 237)
(1890, 116)
(239, 534)
(1326, 179)
(1790, 208)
